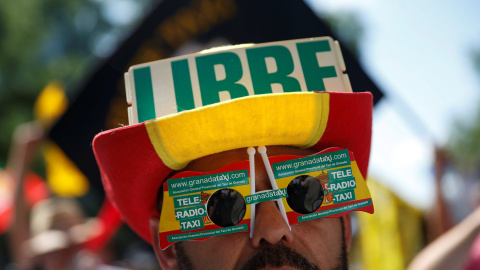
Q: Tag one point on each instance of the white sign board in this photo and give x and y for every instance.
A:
(186, 82)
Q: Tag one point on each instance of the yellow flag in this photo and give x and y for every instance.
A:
(51, 103)
(63, 176)
(390, 238)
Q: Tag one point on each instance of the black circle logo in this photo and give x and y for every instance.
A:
(305, 194)
(226, 207)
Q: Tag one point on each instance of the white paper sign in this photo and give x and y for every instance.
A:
(186, 82)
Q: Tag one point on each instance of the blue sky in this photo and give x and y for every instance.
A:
(420, 54)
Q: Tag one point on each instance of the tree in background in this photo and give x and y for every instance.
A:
(45, 40)
(349, 28)
(52, 40)
(464, 143)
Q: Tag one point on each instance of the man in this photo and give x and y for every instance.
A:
(157, 172)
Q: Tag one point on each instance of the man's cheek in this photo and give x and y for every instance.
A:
(320, 238)
(220, 252)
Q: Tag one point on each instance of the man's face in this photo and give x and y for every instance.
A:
(320, 243)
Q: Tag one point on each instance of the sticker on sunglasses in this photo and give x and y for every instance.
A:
(265, 196)
(325, 185)
(200, 205)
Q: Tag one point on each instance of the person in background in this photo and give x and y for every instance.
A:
(52, 234)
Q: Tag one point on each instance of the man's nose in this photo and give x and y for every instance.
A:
(270, 226)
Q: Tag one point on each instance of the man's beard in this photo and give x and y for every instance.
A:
(273, 256)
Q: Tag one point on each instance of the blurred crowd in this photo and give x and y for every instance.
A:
(46, 231)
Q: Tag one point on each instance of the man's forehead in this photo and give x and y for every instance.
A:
(218, 160)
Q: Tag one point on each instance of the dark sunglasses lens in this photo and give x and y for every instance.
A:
(305, 194)
(226, 207)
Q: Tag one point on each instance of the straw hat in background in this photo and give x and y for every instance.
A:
(59, 223)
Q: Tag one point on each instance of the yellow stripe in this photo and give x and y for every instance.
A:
(64, 177)
(297, 119)
(157, 142)
(323, 113)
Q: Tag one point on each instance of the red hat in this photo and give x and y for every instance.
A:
(134, 160)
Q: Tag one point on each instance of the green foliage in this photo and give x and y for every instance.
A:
(348, 27)
(45, 40)
(40, 42)
(51, 40)
(464, 142)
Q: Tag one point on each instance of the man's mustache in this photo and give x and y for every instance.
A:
(277, 256)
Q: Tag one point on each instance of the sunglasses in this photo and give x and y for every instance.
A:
(200, 205)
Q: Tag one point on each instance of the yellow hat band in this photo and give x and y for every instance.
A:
(249, 121)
